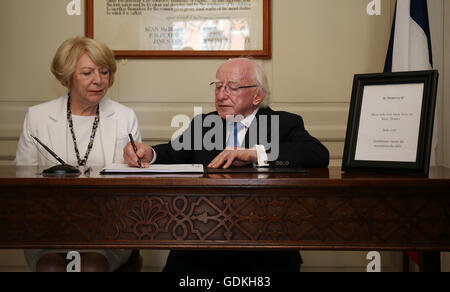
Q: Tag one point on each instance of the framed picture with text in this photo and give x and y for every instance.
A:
(182, 29)
(390, 124)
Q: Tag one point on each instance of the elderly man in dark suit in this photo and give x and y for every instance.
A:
(243, 131)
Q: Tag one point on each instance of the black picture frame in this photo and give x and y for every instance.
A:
(421, 164)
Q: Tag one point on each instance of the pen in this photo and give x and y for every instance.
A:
(135, 149)
(49, 150)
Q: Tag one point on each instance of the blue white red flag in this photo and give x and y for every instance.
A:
(410, 48)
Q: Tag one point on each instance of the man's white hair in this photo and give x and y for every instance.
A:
(260, 77)
(262, 81)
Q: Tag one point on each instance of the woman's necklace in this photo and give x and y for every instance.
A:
(91, 141)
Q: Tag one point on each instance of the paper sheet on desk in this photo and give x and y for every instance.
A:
(154, 168)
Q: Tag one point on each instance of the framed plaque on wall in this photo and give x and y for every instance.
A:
(181, 29)
(390, 125)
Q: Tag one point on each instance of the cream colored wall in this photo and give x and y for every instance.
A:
(318, 45)
(30, 32)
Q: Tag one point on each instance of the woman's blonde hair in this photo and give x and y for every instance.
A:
(66, 58)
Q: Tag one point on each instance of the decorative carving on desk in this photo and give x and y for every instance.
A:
(283, 219)
(240, 218)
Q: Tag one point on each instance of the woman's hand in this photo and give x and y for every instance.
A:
(144, 152)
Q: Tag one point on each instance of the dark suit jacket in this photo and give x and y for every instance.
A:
(297, 148)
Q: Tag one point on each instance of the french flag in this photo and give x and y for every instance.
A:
(410, 43)
(410, 49)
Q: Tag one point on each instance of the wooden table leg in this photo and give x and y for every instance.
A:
(406, 262)
(430, 262)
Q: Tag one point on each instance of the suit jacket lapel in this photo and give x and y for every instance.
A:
(255, 125)
(206, 130)
(224, 128)
(108, 130)
(57, 128)
(266, 112)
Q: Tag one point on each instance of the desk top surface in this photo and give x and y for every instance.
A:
(12, 175)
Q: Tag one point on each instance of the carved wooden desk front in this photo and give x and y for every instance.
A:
(322, 210)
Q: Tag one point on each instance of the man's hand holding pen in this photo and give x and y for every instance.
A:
(144, 153)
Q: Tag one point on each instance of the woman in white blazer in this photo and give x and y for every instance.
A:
(48, 122)
(83, 128)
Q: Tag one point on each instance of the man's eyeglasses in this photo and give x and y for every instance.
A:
(230, 87)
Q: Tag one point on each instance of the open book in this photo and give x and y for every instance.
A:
(154, 168)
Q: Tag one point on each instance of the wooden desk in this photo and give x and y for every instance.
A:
(322, 210)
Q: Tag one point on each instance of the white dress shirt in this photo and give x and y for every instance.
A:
(242, 132)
